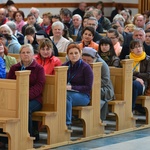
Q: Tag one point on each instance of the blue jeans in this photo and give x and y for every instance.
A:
(136, 91)
(75, 99)
(34, 105)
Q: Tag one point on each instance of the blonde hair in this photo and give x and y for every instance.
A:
(27, 46)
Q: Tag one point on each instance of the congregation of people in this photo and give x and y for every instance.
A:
(86, 35)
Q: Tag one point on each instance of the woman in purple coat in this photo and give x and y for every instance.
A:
(79, 81)
(36, 79)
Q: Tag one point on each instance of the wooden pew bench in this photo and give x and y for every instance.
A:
(14, 111)
(90, 115)
(145, 102)
(62, 56)
(122, 105)
(53, 113)
(17, 56)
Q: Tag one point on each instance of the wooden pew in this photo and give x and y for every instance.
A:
(62, 56)
(53, 113)
(17, 56)
(90, 115)
(14, 101)
(122, 105)
(145, 102)
(74, 37)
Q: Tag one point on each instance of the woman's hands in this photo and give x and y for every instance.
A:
(69, 87)
(140, 80)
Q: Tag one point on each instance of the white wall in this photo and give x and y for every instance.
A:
(107, 11)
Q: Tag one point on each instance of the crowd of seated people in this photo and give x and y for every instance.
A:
(50, 34)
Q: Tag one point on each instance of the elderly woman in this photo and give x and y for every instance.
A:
(87, 38)
(79, 81)
(46, 58)
(141, 71)
(90, 55)
(36, 83)
(11, 41)
(60, 42)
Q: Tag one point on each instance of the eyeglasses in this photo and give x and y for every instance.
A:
(112, 38)
(91, 24)
(137, 46)
(147, 36)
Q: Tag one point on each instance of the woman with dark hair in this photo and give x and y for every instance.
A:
(100, 6)
(46, 58)
(114, 35)
(107, 53)
(19, 19)
(141, 71)
(87, 38)
(119, 7)
(79, 81)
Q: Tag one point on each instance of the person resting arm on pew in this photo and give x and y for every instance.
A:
(90, 55)
(79, 81)
(46, 58)
(36, 82)
(141, 72)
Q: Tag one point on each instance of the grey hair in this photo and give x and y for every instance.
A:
(34, 8)
(7, 28)
(139, 29)
(58, 23)
(77, 15)
(93, 18)
(27, 46)
(12, 25)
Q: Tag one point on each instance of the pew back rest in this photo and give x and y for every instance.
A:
(122, 80)
(8, 104)
(17, 56)
(10, 94)
(62, 56)
(117, 81)
(55, 89)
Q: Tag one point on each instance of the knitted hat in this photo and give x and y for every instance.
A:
(89, 51)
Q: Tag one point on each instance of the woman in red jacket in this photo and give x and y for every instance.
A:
(46, 58)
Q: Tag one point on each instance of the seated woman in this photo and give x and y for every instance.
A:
(36, 83)
(87, 38)
(107, 53)
(40, 35)
(60, 42)
(113, 34)
(11, 41)
(9, 61)
(45, 56)
(141, 70)
(90, 55)
(79, 81)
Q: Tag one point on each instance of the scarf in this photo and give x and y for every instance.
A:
(137, 59)
(117, 48)
(106, 57)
